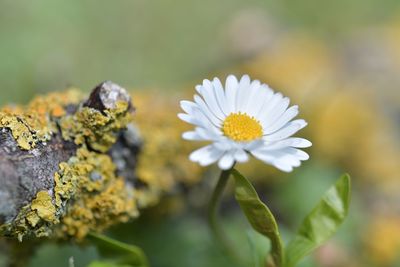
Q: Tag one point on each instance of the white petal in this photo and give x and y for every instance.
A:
(206, 155)
(226, 162)
(188, 118)
(199, 119)
(199, 153)
(263, 156)
(200, 134)
(282, 153)
(198, 88)
(261, 95)
(212, 157)
(191, 135)
(289, 142)
(283, 166)
(220, 96)
(192, 116)
(290, 129)
(243, 92)
(274, 108)
(278, 111)
(206, 111)
(248, 96)
(289, 114)
(269, 96)
(265, 110)
(231, 86)
(215, 157)
(300, 154)
(205, 120)
(284, 159)
(241, 156)
(187, 106)
(300, 142)
(254, 145)
(207, 134)
(286, 162)
(227, 144)
(208, 94)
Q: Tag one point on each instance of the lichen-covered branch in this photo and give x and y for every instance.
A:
(67, 163)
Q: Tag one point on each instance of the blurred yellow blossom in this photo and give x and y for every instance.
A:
(163, 162)
(382, 240)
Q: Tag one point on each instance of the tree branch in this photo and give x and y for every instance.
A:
(26, 172)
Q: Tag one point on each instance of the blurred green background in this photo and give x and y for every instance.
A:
(48, 45)
(341, 58)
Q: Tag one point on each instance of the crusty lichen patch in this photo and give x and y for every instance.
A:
(95, 128)
(35, 218)
(93, 196)
(88, 195)
(44, 207)
(36, 122)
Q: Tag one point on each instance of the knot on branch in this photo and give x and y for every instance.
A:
(106, 96)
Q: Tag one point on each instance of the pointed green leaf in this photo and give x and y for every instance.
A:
(118, 253)
(258, 214)
(321, 223)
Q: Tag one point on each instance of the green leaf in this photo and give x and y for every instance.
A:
(321, 223)
(258, 214)
(117, 253)
(258, 245)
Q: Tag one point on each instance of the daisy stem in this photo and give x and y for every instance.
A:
(215, 227)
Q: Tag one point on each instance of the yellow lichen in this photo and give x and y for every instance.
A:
(19, 129)
(33, 218)
(95, 204)
(44, 207)
(88, 196)
(36, 218)
(94, 127)
(96, 198)
(36, 122)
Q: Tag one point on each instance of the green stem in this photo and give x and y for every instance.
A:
(214, 225)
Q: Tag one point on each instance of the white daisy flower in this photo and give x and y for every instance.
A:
(246, 117)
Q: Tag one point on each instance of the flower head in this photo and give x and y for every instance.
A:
(244, 117)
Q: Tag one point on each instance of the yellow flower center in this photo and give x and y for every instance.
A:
(241, 127)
